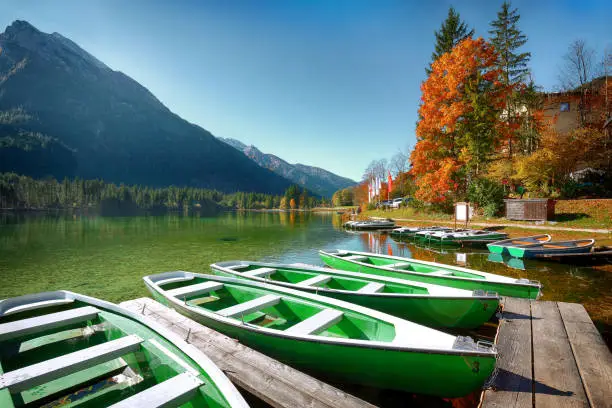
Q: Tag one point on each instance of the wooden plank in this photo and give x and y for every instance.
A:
(441, 273)
(50, 321)
(271, 381)
(512, 387)
(194, 290)
(357, 258)
(315, 280)
(170, 393)
(557, 381)
(259, 272)
(250, 306)
(174, 280)
(317, 323)
(40, 373)
(592, 355)
(372, 287)
(397, 265)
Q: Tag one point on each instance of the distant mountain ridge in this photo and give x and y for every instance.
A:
(64, 113)
(315, 179)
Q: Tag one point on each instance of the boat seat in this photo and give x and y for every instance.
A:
(556, 246)
(397, 265)
(45, 371)
(356, 258)
(317, 323)
(250, 306)
(39, 324)
(37, 305)
(170, 393)
(193, 290)
(372, 287)
(442, 273)
(315, 280)
(174, 280)
(238, 266)
(260, 272)
(523, 243)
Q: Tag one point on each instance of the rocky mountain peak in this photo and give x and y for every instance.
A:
(51, 47)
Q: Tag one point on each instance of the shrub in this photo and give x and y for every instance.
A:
(488, 194)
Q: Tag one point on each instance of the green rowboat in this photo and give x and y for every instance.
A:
(431, 305)
(579, 246)
(430, 272)
(501, 247)
(457, 237)
(336, 339)
(62, 348)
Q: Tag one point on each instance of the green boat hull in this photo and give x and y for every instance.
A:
(497, 249)
(436, 312)
(432, 311)
(445, 375)
(503, 289)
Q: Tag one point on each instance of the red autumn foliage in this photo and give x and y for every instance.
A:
(448, 103)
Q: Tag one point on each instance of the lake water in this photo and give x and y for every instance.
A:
(106, 257)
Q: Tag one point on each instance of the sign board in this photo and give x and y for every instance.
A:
(462, 211)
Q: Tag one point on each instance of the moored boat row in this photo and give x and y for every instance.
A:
(370, 321)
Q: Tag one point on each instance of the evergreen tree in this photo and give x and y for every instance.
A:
(507, 38)
(451, 33)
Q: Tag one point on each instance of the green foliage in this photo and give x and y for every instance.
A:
(451, 32)
(343, 197)
(417, 205)
(490, 210)
(488, 194)
(570, 189)
(22, 192)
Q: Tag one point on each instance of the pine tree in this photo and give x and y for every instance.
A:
(451, 33)
(507, 39)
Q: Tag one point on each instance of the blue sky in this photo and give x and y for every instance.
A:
(333, 84)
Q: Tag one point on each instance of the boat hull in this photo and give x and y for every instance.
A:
(445, 375)
(519, 252)
(433, 312)
(497, 249)
(503, 289)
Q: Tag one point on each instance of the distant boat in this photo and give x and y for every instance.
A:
(370, 225)
(341, 340)
(61, 348)
(411, 231)
(501, 247)
(430, 272)
(456, 237)
(579, 246)
(431, 305)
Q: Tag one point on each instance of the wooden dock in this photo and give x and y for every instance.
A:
(269, 380)
(550, 355)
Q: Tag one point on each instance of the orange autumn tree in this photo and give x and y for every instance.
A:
(460, 125)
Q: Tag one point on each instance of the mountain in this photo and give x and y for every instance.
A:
(63, 113)
(315, 179)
